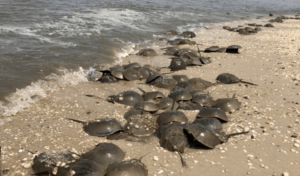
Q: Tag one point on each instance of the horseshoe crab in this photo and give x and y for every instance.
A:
(167, 103)
(147, 52)
(151, 95)
(177, 64)
(132, 74)
(141, 125)
(171, 116)
(203, 99)
(213, 113)
(166, 82)
(180, 95)
(227, 104)
(117, 71)
(129, 98)
(171, 32)
(132, 66)
(234, 49)
(180, 78)
(149, 106)
(131, 167)
(188, 34)
(228, 78)
(188, 105)
(269, 25)
(45, 163)
(105, 154)
(108, 78)
(212, 124)
(94, 75)
(208, 137)
(170, 50)
(84, 167)
(212, 49)
(101, 128)
(146, 71)
(181, 86)
(173, 138)
(198, 83)
(181, 42)
(133, 112)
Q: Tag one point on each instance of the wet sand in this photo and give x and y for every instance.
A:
(270, 111)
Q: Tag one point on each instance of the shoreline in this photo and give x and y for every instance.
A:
(269, 59)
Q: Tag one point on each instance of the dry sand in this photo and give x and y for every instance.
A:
(270, 111)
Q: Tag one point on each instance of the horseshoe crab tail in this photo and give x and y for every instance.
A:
(248, 83)
(143, 156)
(183, 163)
(75, 120)
(142, 90)
(235, 134)
(94, 96)
(198, 50)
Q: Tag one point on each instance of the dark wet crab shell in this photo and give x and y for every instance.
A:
(132, 74)
(152, 95)
(105, 154)
(146, 71)
(171, 116)
(84, 167)
(210, 123)
(170, 50)
(149, 106)
(177, 64)
(147, 52)
(117, 71)
(108, 78)
(205, 60)
(167, 104)
(131, 167)
(173, 138)
(133, 112)
(152, 77)
(103, 127)
(227, 78)
(182, 86)
(203, 135)
(227, 104)
(180, 78)
(212, 49)
(213, 112)
(166, 82)
(188, 34)
(188, 105)
(129, 98)
(198, 83)
(132, 66)
(180, 95)
(203, 100)
(94, 75)
(234, 49)
(141, 125)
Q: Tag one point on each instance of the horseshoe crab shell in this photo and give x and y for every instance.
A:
(117, 71)
(103, 127)
(177, 64)
(132, 66)
(141, 125)
(180, 78)
(171, 32)
(188, 34)
(167, 103)
(151, 95)
(180, 95)
(166, 82)
(170, 50)
(129, 98)
(108, 78)
(198, 83)
(203, 99)
(203, 135)
(94, 75)
(85, 167)
(227, 104)
(181, 86)
(132, 74)
(152, 77)
(188, 105)
(213, 113)
(210, 123)
(228, 78)
(212, 49)
(149, 106)
(131, 167)
(147, 52)
(234, 49)
(105, 154)
(173, 138)
(133, 112)
(171, 116)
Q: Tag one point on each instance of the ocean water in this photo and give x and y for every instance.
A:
(45, 45)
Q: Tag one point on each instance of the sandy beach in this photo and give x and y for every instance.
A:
(270, 111)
